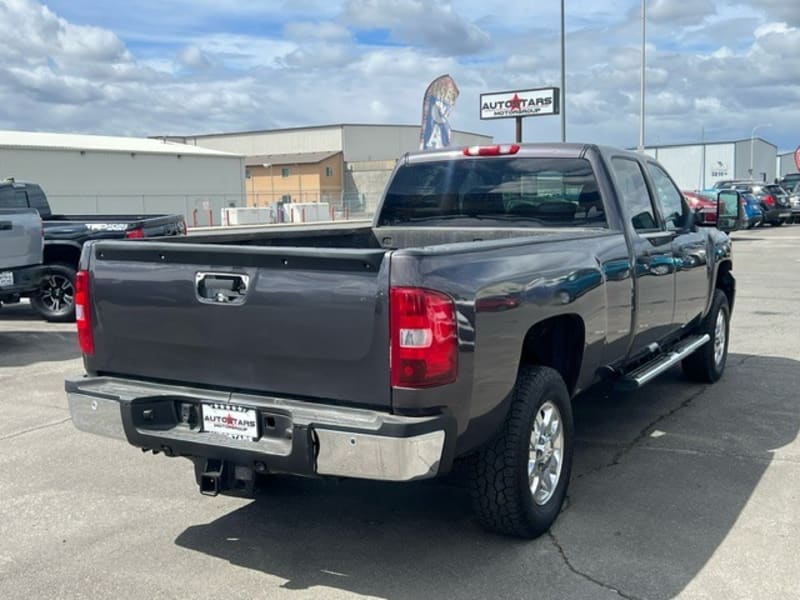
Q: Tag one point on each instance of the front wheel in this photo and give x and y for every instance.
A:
(518, 480)
(55, 298)
(707, 363)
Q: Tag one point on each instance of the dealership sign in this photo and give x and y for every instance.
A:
(520, 103)
(797, 158)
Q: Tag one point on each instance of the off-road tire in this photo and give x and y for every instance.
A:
(45, 307)
(498, 473)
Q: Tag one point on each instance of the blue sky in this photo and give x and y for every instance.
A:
(152, 67)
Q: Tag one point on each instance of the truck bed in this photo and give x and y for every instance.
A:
(299, 314)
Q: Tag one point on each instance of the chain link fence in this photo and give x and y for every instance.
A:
(343, 205)
(207, 210)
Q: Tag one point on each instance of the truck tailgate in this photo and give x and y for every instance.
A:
(20, 238)
(311, 323)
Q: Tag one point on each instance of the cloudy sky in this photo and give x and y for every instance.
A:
(149, 67)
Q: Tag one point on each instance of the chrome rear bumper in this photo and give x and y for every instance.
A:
(315, 439)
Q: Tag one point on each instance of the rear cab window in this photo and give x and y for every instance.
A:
(524, 191)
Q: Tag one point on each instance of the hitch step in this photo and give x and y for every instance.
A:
(653, 368)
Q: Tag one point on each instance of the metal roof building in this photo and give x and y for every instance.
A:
(104, 175)
(343, 163)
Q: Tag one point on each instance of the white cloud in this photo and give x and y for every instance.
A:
(725, 71)
(308, 31)
(431, 23)
(680, 11)
(770, 28)
(193, 57)
(784, 10)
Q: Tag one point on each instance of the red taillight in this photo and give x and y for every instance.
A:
(83, 313)
(182, 226)
(769, 201)
(496, 150)
(424, 344)
(135, 234)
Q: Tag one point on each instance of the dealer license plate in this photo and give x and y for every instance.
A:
(235, 422)
(6, 278)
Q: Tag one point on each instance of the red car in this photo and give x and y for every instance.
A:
(704, 204)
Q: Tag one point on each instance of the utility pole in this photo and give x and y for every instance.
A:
(563, 94)
(644, 66)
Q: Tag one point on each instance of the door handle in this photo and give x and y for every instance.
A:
(221, 288)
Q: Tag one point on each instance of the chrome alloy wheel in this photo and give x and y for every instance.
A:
(719, 339)
(546, 453)
(57, 292)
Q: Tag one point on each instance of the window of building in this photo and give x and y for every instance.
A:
(285, 172)
(630, 182)
(328, 171)
(247, 174)
(286, 198)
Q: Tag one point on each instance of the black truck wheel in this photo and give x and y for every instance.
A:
(518, 480)
(707, 363)
(55, 298)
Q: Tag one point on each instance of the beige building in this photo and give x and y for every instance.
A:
(345, 165)
(304, 177)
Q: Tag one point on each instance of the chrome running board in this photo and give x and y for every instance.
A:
(655, 367)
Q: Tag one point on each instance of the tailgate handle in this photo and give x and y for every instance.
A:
(6, 225)
(221, 288)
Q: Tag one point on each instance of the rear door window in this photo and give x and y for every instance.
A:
(631, 185)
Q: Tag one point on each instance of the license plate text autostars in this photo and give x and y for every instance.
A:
(234, 422)
(230, 421)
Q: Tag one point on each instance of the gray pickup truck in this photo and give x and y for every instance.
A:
(21, 248)
(495, 284)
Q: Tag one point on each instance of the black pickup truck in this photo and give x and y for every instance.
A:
(64, 236)
(495, 284)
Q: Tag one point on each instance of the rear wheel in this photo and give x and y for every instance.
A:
(55, 298)
(518, 481)
(707, 363)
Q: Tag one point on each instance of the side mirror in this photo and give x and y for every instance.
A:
(729, 210)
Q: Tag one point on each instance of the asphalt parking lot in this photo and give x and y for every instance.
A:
(678, 490)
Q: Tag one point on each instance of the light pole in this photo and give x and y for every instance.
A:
(563, 79)
(752, 144)
(644, 65)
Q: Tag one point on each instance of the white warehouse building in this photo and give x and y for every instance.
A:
(786, 163)
(89, 174)
(699, 166)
